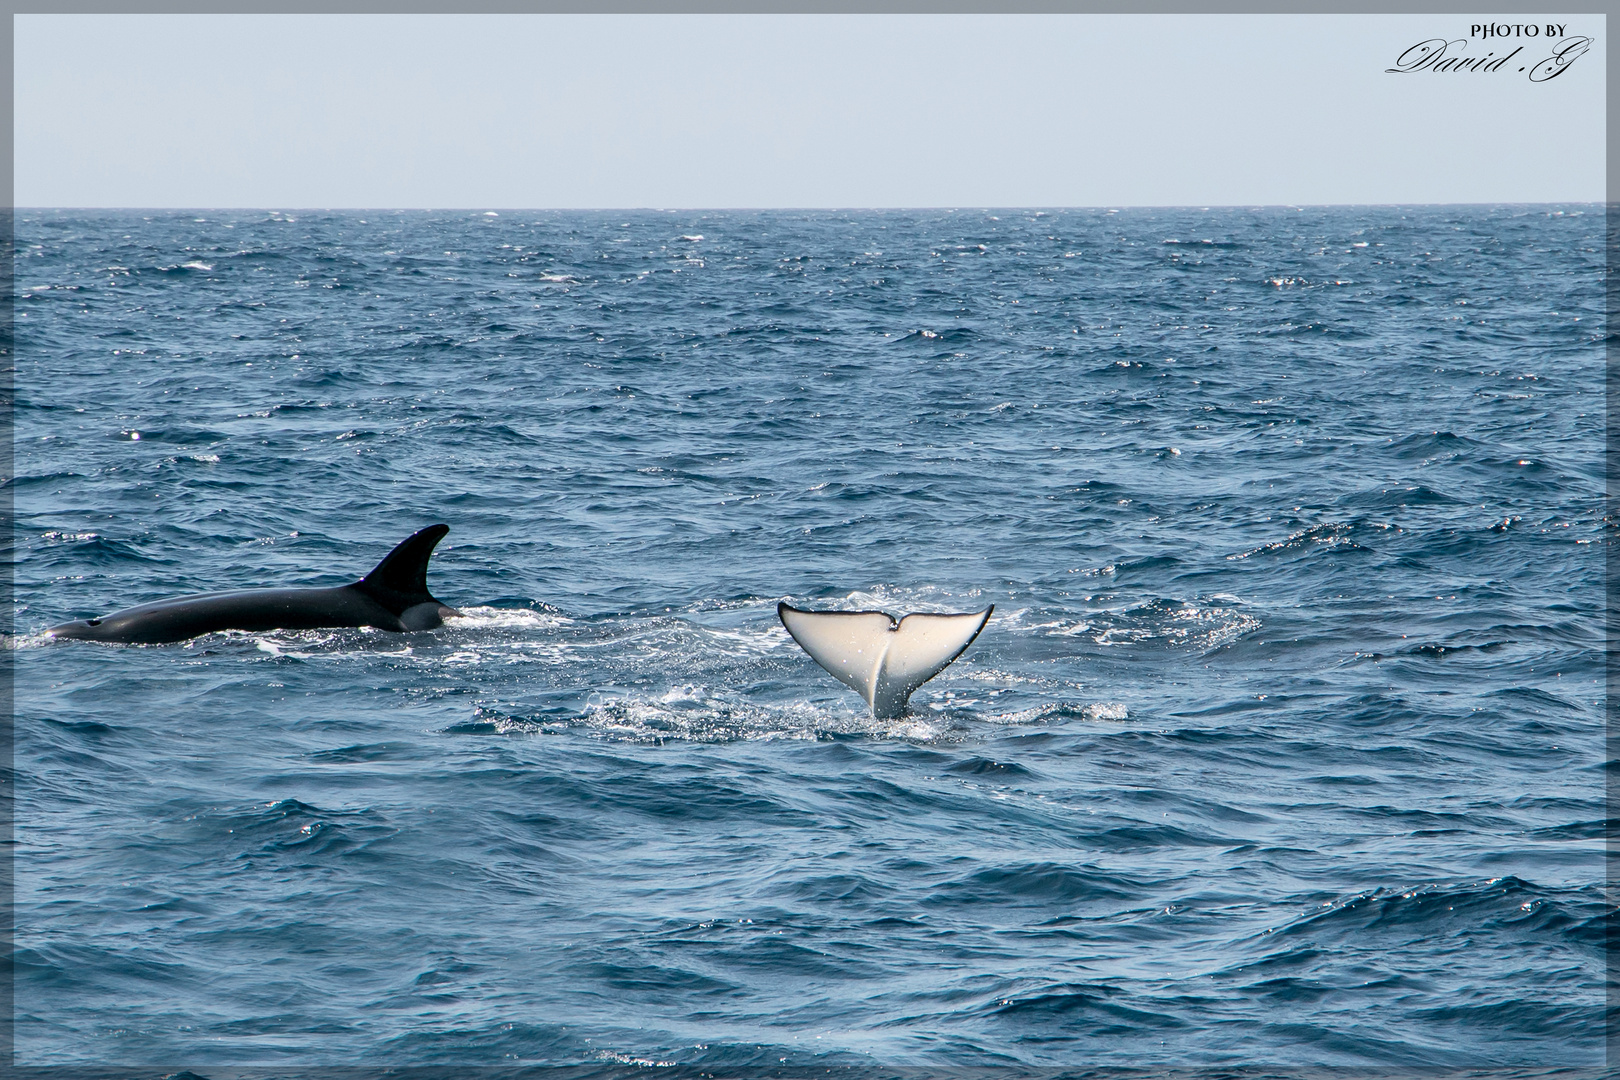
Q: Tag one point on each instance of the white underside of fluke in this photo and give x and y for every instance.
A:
(879, 658)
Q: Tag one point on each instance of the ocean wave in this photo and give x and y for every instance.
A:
(1285, 751)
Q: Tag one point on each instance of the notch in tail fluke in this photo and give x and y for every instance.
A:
(881, 658)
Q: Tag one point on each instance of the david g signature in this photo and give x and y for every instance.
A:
(1438, 54)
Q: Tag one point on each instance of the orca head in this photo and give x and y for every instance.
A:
(79, 629)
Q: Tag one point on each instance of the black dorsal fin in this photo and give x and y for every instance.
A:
(400, 580)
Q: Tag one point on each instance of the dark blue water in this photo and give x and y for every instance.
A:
(1283, 748)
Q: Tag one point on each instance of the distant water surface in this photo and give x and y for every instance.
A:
(1283, 748)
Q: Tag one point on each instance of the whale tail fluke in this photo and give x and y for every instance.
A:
(878, 657)
(399, 582)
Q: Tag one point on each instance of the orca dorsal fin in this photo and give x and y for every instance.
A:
(881, 658)
(400, 580)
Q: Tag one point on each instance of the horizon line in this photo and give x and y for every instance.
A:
(487, 208)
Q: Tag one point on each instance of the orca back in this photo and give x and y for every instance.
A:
(394, 596)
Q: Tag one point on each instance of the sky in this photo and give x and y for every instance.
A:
(733, 111)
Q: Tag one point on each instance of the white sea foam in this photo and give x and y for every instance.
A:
(484, 618)
(1045, 714)
(626, 1059)
(901, 601)
(31, 640)
(691, 713)
(1187, 625)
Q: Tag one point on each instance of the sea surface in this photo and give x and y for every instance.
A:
(1282, 750)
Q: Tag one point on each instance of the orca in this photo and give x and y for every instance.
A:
(882, 658)
(394, 596)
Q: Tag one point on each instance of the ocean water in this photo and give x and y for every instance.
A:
(1283, 748)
